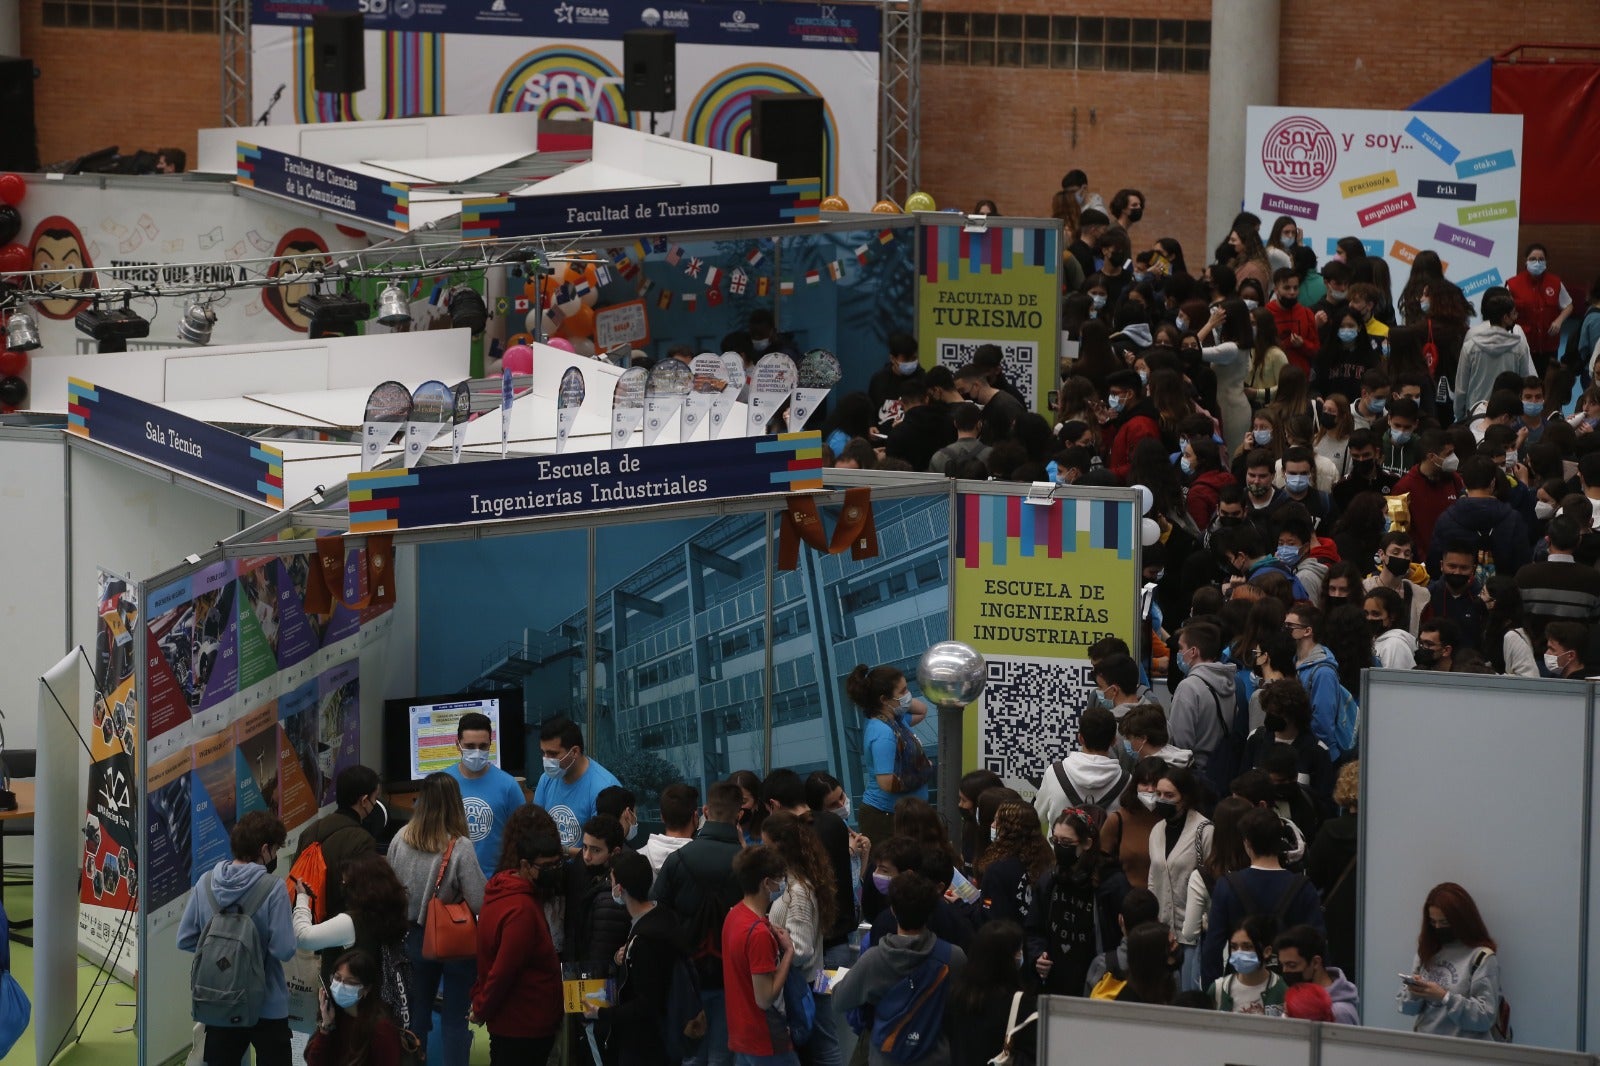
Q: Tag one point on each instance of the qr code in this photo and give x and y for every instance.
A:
(1030, 715)
(1018, 361)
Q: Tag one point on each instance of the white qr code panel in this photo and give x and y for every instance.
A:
(1030, 715)
(1018, 361)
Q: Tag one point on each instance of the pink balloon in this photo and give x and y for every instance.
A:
(518, 359)
(562, 343)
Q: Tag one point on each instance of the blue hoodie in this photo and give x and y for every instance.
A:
(274, 925)
(1319, 673)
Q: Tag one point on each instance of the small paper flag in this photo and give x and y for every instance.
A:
(754, 257)
(666, 299)
(786, 288)
(737, 282)
(812, 277)
(836, 270)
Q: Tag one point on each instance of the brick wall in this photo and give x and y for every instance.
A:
(98, 88)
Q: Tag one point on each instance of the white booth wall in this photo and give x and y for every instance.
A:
(33, 604)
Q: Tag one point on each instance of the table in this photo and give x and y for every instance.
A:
(25, 809)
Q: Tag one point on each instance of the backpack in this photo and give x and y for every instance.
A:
(912, 767)
(908, 1021)
(705, 938)
(1285, 899)
(1346, 716)
(227, 981)
(684, 1025)
(1109, 986)
(15, 1010)
(1077, 800)
(1226, 760)
(309, 874)
(799, 1005)
(1500, 1031)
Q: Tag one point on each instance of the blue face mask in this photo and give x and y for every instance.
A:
(907, 368)
(1287, 554)
(1183, 664)
(1097, 299)
(1144, 377)
(1244, 962)
(1536, 267)
(1400, 436)
(1297, 483)
(1182, 324)
(1186, 466)
(1532, 409)
(1377, 404)
(344, 996)
(1348, 335)
(1127, 746)
(1263, 437)
(475, 760)
(1115, 402)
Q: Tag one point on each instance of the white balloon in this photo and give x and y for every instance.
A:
(1149, 531)
(1149, 499)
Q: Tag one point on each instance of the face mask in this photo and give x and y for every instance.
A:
(1542, 510)
(344, 996)
(1251, 305)
(1287, 240)
(1337, 601)
(1536, 267)
(1377, 626)
(775, 894)
(1229, 521)
(903, 702)
(1295, 978)
(1183, 666)
(906, 369)
(1144, 377)
(548, 878)
(1444, 934)
(1186, 466)
(619, 897)
(1135, 215)
(843, 810)
(1115, 402)
(1263, 437)
(1397, 566)
(1347, 335)
(1244, 962)
(1378, 404)
(1149, 800)
(1182, 324)
(1425, 657)
(1127, 746)
(1259, 491)
(1166, 809)
(1274, 722)
(1425, 305)
(271, 864)
(1297, 483)
(1327, 420)
(1457, 582)
(1533, 409)
(1141, 276)
(1287, 554)
(1335, 296)
(1363, 468)
(1449, 463)
(880, 881)
(1098, 299)
(476, 761)
(633, 831)
(1080, 196)
(1552, 662)
(1400, 436)
(994, 834)
(761, 345)
(552, 767)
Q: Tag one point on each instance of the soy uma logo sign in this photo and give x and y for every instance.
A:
(1298, 153)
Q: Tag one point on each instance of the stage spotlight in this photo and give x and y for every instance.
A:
(468, 310)
(393, 310)
(112, 327)
(195, 326)
(22, 332)
(336, 314)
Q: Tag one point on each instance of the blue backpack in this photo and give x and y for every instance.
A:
(1346, 716)
(799, 1005)
(908, 1020)
(15, 1010)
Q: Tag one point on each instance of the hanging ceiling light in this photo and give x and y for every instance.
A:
(334, 314)
(112, 327)
(393, 309)
(468, 310)
(195, 326)
(22, 332)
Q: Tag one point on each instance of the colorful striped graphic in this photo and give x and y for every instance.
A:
(949, 253)
(563, 81)
(81, 398)
(995, 528)
(412, 72)
(805, 459)
(721, 114)
(372, 498)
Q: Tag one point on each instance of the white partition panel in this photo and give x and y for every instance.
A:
(1084, 1032)
(33, 606)
(1346, 1045)
(1440, 802)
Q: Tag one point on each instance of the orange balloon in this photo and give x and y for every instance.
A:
(833, 203)
(886, 207)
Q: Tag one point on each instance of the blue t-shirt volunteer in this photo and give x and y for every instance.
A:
(572, 805)
(878, 754)
(489, 800)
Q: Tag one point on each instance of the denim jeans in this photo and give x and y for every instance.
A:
(786, 1059)
(713, 1049)
(458, 977)
(825, 1048)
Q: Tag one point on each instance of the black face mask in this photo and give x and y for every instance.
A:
(550, 878)
(1457, 582)
(1228, 521)
(376, 821)
(1425, 657)
(1377, 625)
(1397, 566)
(1363, 468)
(1066, 856)
(271, 864)
(1295, 978)
(1324, 419)
(1135, 214)
(1444, 934)
(1337, 601)
(1166, 810)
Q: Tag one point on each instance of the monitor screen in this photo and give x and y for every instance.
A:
(421, 732)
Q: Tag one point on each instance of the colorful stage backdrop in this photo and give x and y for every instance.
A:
(565, 59)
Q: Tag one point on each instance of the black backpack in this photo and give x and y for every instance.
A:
(1226, 760)
(704, 934)
(1285, 900)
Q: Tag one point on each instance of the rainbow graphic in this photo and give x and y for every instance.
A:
(720, 116)
(949, 253)
(560, 81)
(993, 528)
(413, 80)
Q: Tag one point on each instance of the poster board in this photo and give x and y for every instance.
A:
(995, 284)
(1401, 181)
(1035, 586)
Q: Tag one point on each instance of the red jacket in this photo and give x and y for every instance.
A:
(518, 991)
(1538, 303)
(1296, 319)
(1122, 435)
(1203, 496)
(325, 1049)
(1429, 498)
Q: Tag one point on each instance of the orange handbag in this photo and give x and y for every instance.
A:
(450, 932)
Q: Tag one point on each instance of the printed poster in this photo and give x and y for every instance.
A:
(1035, 586)
(994, 285)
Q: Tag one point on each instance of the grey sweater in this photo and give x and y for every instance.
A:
(418, 870)
(880, 968)
(1193, 722)
(1472, 993)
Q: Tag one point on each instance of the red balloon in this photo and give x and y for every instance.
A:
(13, 189)
(14, 259)
(12, 363)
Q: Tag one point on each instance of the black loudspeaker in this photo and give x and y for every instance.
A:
(650, 70)
(788, 129)
(19, 146)
(341, 62)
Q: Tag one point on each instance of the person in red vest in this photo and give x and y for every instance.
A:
(1127, 418)
(1543, 304)
(1297, 325)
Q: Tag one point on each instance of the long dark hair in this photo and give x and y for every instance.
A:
(375, 899)
(535, 818)
(797, 842)
(1461, 912)
(369, 1008)
(1018, 836)
(1504, 616)
(991, 971)
(922, 822)
(1149, 972)
(1349, 638)
(868, 688)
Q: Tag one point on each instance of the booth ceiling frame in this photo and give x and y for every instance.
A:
(233, 23)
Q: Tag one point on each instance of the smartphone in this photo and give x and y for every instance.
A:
(1410, 978)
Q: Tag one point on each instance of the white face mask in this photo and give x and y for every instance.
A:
(1543, 510)
(904, 701)
(843, 810)
(554, 767)
(633, 831)
(475, 760)
(1449, 463)
(1552, 662)
(1148, 799)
